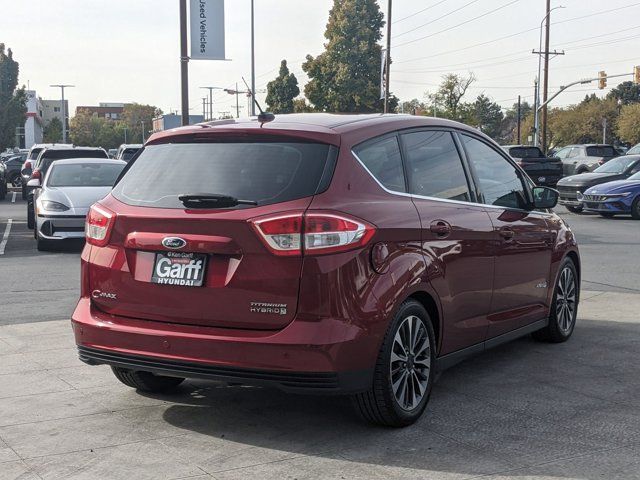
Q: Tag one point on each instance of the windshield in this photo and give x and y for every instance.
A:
(635, 176)
(84, 175)
(34, 153)
(128, 154)
(617, 165)
(634, 150)
(262, 172)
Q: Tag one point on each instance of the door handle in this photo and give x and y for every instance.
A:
(440, 228)
(506, 233)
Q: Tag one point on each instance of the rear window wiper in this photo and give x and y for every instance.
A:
(212, 200)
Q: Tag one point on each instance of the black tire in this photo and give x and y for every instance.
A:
(43, 245)
(15, 179)
(379, 405)
(3, 190)
(31, 215)
(635, 208)
(557, 331)
(607, 215)
(146, 381)
(574, 209)
(24, 191)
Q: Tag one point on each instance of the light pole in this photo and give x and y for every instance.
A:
(211, 89)
(536, 121)
(64, 111)
(142, 123)
(253, 60)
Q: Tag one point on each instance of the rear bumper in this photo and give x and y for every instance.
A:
(320, 357)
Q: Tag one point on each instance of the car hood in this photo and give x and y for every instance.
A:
(588, 179)
(617, 186)
(75, 197)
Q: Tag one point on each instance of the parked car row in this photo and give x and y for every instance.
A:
(60, 183)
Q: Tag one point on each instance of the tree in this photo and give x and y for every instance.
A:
(413, 107)
(53, 131)
(629, 123)
(346, 76)
(300, 105)
(450, 93)
(134, 115)
(282, 91)
(487, 116)
(626, 92)
(13, 107)
(509, 129)
(582, 123)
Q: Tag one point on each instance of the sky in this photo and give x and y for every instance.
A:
(128, 50)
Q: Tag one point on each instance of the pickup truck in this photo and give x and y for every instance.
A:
(544, 171)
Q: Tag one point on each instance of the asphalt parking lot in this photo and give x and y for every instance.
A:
(525, 410)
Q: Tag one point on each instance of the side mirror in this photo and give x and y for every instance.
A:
(544, 197)
(33, 183)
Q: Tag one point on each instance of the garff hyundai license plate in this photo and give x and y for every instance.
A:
(179, 268)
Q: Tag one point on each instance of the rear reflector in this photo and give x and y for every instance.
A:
(313, 233)
(98, 225)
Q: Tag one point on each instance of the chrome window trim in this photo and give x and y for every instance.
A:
(436, 199)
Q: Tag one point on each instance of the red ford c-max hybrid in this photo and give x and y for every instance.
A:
(323, 254)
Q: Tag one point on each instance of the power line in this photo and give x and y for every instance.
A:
(418, 12)
(505, 37)
(436, 19)
(459, 24)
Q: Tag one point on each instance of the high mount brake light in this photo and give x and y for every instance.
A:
(313, 233)
(98, 225)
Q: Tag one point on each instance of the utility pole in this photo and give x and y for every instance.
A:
(545, 91)
(184, 63)
(519, 142)
(604, 130)
(253, 60)
(142, 123)
(535, 112)
(211, 89)
(387, 58)
(204, 108)
(63, 110)
(125, 134)
(237, 102)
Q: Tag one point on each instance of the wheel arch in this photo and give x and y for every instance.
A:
(428, 301)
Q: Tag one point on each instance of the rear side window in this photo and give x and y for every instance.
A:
(382, 159)
(500, 183)
(434, 166)
(603, 151)
(526, 152)
(263, 172)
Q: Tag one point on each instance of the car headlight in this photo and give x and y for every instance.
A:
(53, 206)
(579, 195)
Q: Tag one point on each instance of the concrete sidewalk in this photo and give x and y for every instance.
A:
(525, 410)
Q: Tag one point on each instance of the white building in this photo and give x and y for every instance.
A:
(33, 126)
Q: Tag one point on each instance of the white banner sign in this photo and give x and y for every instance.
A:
(207, 30)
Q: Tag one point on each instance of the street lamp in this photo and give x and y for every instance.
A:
(211, 89)
(536, 121)
(64, 111)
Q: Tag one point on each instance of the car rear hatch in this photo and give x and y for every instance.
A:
(198, 262)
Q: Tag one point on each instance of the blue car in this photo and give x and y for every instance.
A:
(620, 197)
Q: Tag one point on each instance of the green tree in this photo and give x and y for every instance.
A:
(134, 115)
(449, 94)
(629, 123)
(582, 123)
(12, 102)
(626, 92)
(282, 91)
(300, 105)
(53, 131)
(509, 128)
(346, 76)
(412, 107)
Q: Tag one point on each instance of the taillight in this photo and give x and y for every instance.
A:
(98, 225)
(313, 233)
(36, 175)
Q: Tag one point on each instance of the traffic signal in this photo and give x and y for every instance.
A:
(602, 79)
(636, 74)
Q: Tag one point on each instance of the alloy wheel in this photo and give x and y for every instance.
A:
(410, 363)
(566, 300)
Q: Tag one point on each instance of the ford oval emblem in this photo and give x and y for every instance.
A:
(174, 243)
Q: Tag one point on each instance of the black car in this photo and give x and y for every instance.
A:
(3, 181)
(571, 188)
(14, 166)
(543, 170)
(46, 157)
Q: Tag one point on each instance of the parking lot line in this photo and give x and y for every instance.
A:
(13, 197)
(5, 237)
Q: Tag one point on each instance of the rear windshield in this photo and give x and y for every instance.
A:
(84, 175)
(603, 151)
(526, 152)
(263, 172)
